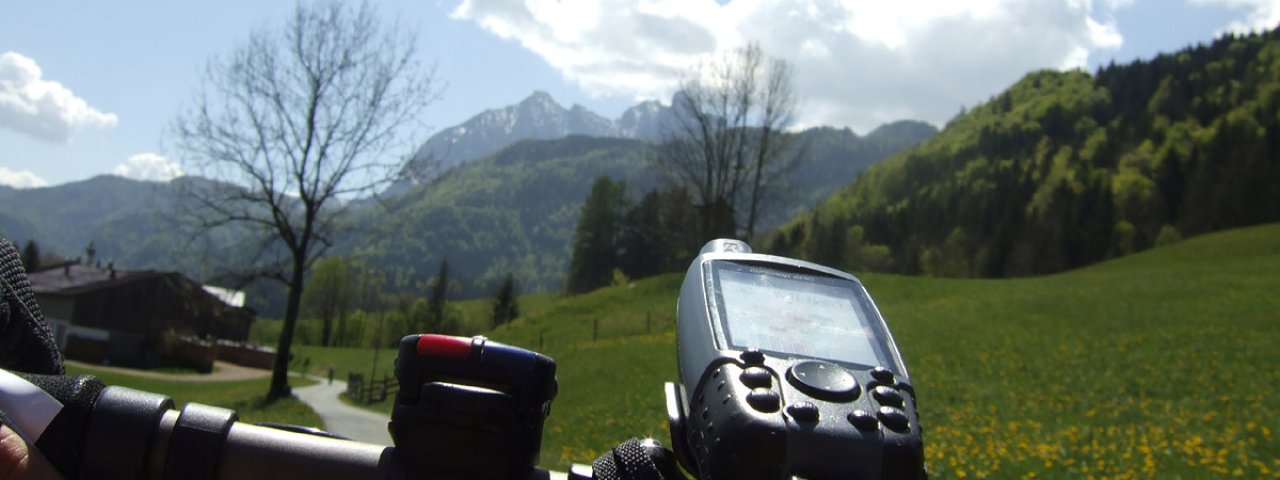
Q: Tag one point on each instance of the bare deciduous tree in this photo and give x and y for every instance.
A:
(729, 144)
(292, 124)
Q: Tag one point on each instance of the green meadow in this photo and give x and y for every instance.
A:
(1156, 365)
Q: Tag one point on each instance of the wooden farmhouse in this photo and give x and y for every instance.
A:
(137, 318)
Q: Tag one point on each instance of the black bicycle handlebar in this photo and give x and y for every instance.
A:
(120, 433)
(89, 430)
(256, 452)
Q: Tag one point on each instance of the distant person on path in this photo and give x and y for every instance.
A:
(330, 374)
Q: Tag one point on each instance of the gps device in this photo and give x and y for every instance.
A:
(787, 370)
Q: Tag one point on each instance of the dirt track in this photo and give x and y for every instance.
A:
(222, 371)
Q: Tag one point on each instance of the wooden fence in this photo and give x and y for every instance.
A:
(375, 391)
(611, 328)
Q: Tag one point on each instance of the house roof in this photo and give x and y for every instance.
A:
(74, 278)
(228, 296)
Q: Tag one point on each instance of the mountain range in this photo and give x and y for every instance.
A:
(515, 211)
(512, 209)
(1061, 170)
(538, 117)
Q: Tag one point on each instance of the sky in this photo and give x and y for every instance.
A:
(92, 88)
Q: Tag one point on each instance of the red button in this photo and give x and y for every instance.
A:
(444, 346)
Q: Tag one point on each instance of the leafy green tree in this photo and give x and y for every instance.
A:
(505, 304)
(414, 312)
(1122, 239)
(1168, 235)
(955, 258)
(330, 295)
(596, 244)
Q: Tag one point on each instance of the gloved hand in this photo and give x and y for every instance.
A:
(26, 345)
(20, 462)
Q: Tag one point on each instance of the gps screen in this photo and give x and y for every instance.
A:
(791, 313)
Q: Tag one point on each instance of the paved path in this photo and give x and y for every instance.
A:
(343, 419)
(222, 371)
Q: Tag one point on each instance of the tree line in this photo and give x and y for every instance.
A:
(726, 155)
(619, 238)
(351, 304)
(1066, 168)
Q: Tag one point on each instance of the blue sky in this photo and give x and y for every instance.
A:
(89, 88)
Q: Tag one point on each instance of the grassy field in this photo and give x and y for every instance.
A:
(246, 397)
(1158, 365)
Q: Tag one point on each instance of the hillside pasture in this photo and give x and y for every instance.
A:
(1156, 365)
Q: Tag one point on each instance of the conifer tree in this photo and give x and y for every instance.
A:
(505, 306)
(596, 242)
(30, 256)
(439, 296)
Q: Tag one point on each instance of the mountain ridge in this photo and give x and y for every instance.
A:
(537, 117)
(512, 211)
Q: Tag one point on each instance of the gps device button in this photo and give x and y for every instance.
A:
(887, 396)
(803, 411)
(756, 377)
(894, 418)
(752, 356)
(764, 400)
(863, 420)
(823, 379)
(882, 375)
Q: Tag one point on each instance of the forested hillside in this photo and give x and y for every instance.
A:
(516, 211)
(1066, 168)
(65, 218)
(512, 212)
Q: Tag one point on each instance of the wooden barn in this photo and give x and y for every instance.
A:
(135, 318)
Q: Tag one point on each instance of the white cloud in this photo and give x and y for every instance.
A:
(1259, 14)
(41, 108)
(148, 167)
(857, 62)
(608, 47)
(21, 179)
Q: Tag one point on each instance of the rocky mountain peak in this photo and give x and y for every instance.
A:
(538, 116)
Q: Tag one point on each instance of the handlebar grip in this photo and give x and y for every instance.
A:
(120, 433)
(60, 441)
(254, 452)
